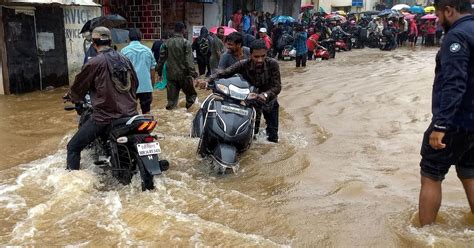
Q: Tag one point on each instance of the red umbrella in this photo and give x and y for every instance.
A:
(306, 6)
(335, 17)
(227, 30)
(429, 17)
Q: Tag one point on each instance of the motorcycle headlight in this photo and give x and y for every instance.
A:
(238, 93)
(223, 89)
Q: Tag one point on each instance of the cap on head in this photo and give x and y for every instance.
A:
(262, 30)
(101, 33)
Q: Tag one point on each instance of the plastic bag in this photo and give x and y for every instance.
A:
(293, 53)
(162, 85)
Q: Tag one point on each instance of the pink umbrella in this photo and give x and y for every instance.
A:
(409, 17)
(429, 17)
(227, 30)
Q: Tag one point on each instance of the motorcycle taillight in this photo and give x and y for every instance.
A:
(149, 139)
(147, 126)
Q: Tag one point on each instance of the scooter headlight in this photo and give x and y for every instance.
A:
(223, 89)
(238, 93)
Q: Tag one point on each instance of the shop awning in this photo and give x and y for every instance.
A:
(61, 2)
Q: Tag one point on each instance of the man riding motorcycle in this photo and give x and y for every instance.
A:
(111, 81)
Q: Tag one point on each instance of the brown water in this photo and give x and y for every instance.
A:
(345, 173)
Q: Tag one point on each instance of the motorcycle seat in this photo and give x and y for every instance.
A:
(120, 122)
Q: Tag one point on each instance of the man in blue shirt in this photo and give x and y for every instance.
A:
(144, 64)
(300, 46)
(449, 139)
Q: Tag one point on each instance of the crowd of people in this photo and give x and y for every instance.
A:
(314, 35)
(117, 82)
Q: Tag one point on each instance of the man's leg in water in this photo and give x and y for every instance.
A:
(469, 188)
(430, 200)
(172, 94)
(87, 133)
(272, 120)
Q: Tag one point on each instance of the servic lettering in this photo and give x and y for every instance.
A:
(77, 16)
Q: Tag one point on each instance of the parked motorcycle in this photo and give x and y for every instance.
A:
(373, 40)
(387, 40)
(287, 55)
(127, 147)
(322, 52)
(225, 123)
(330, 45)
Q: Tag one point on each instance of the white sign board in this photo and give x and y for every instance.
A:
(197, 31)
(74, 19)
(45, 41)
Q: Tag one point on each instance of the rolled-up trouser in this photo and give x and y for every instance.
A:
(87, 133)
(145, 101)
(271, 114)
(173, 87)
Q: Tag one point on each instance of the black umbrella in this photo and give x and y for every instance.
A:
(371, 12)
(108, 21)
(385, 13)
(119, 36)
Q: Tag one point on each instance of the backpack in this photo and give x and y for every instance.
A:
(119, 69)
(203, 44)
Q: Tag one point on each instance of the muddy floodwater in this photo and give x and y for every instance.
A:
(345, 173)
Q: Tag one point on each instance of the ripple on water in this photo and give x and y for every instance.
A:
(189, 206)
(454, 228)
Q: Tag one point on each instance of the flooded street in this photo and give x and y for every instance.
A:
(345, 173)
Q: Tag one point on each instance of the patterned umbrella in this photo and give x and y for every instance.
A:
(227, 30)
(429, 17)
(283, 19)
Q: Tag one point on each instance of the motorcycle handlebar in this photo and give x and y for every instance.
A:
(70, 108)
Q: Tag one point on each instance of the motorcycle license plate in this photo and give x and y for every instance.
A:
(145, 149)
(238, 111)
(287, 58)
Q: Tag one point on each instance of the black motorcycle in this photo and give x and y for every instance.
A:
(225, 123)
(127, 147)
(330, 45)
(387, 40)
(373, 40)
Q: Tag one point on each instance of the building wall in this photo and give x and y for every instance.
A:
(142, 14)
(174, 11)
(74, 19)
(213, 14)
(328, 5)
(269, 6)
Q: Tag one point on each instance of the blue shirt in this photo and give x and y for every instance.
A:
(453, 89)
(300, 43)
(143, 61)
(246, 23)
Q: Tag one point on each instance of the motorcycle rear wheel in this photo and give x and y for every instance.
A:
(146, 177)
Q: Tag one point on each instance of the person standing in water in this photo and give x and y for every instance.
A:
(449, 139)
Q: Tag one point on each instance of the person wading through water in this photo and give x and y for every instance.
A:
(449, 140)
(177, 53)
(263, 73)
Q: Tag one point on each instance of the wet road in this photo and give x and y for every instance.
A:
(345, 173)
